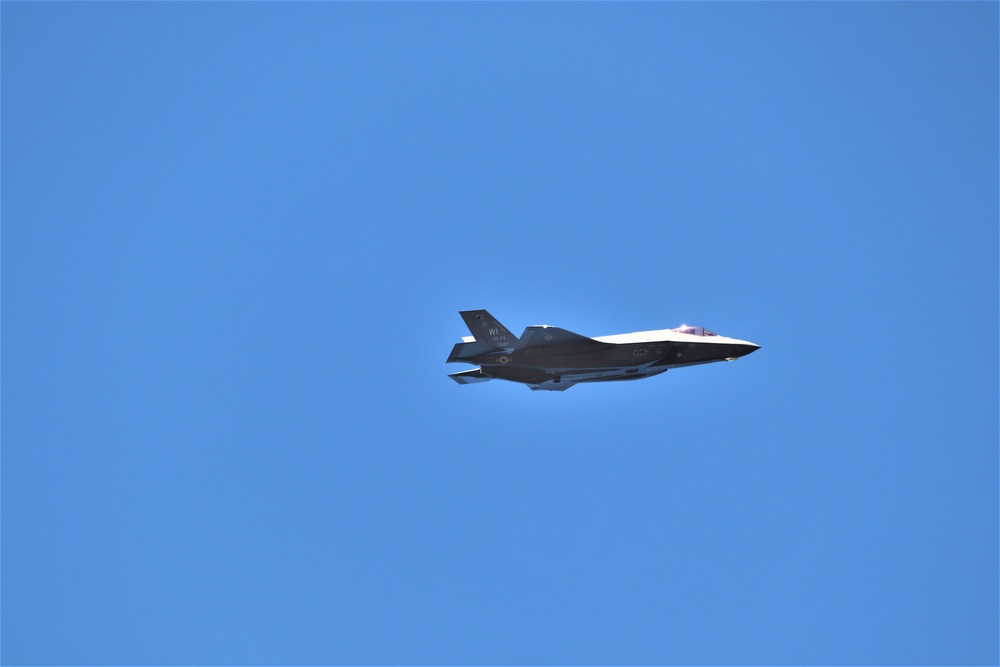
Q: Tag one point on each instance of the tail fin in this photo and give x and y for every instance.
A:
(486, 329)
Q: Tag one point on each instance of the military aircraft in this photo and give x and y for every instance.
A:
(554, 359)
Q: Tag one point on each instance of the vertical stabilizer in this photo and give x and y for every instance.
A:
(486, 329)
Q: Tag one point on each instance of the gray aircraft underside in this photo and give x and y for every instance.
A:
(554, 359)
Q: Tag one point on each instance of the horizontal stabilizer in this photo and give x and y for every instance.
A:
(541, 336)
(467, 351)
(470, 377)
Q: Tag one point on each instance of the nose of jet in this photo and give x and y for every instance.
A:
(742, 349)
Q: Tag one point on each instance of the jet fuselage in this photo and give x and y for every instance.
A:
(551, 358)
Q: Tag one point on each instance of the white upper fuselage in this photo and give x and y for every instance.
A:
(668, 335)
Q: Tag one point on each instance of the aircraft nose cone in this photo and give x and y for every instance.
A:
(743, 349)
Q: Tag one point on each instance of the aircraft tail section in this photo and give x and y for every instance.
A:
(486, 329)
(467, 351)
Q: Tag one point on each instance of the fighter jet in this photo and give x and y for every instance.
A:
(553, 359)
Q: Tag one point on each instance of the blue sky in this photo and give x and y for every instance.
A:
(235, 241)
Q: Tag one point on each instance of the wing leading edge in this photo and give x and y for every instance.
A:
(542, 336)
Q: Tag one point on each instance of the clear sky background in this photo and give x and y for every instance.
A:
(235, 241)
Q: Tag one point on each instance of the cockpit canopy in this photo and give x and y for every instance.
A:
(694, 331)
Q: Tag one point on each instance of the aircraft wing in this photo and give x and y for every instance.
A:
(551, 386)
(470, 377)
(542, 336)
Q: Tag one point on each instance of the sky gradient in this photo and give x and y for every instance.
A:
(235, 238)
